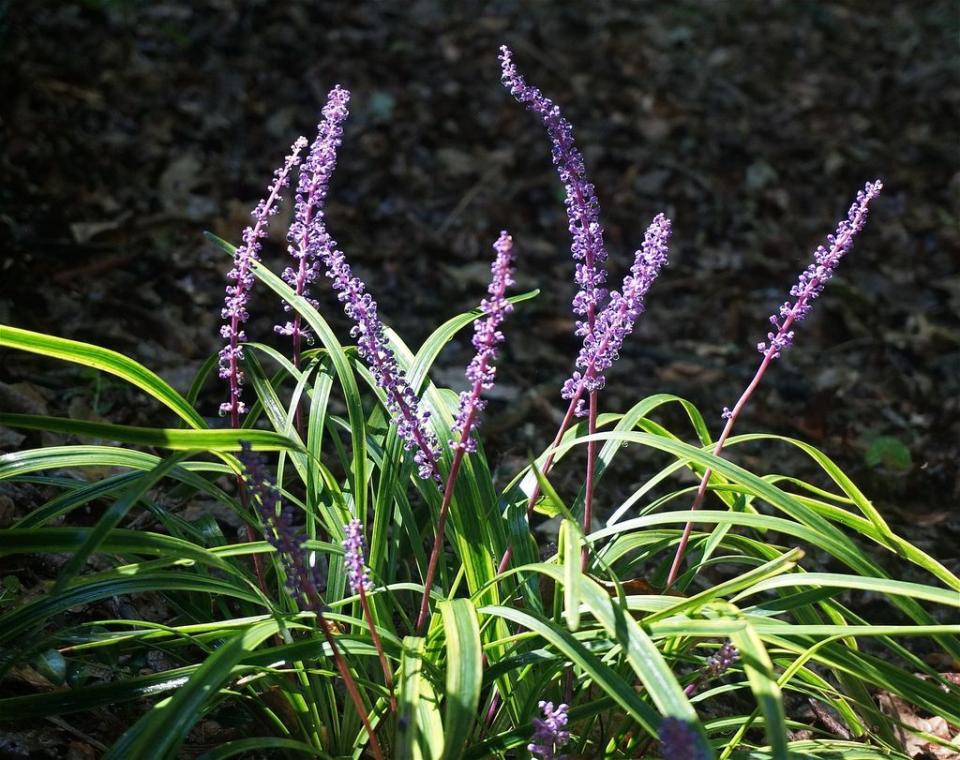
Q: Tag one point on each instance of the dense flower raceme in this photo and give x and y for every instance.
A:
(241, 277)
(314, 181)
(481, 371)
(583, 210)
(402, 403)
(616, 321)
(549, 733)
(303, 579)
(678, 741)
(816, 276)
(354, 547)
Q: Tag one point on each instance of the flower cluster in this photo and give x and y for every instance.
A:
(549, 733)
(303, 578)
(234, 311)
(679, 741)
(354, 547)
(583, 209)
(486, 337)
(402, 403)
(718, 664)
(616, 321)
(314, 181)
(815, 277)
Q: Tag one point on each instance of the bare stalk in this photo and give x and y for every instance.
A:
(378, 645)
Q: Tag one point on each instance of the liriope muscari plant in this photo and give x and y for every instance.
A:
(399, 604)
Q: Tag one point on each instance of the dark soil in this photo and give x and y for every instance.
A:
(128, 128)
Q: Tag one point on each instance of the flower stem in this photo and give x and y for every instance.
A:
(591, 470)
(545, 470)
(378, 645)
(312, 594)
(718, 447)
(350, 685)
(251, 536)
(438, 536)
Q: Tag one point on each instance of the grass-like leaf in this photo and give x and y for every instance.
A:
(103, 359)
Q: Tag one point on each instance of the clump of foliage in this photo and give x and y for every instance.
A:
(387, 596)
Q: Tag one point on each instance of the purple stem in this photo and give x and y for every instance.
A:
(545, 470)
(591, 470)
(378, 645)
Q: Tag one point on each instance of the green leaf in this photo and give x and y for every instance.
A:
(163, 438)
(112, 517)
(570, 549)
(884, 586)
(19, 463)
(464, 655)
(819, 530)
(161, 731)
(605, 677)
(759, 670)
(444, 334)
(90, 697)
(644, 657)
(551, 504)
(102, 359)
(257, 745)
(117, 541)
(28, 616)
(51, 665)
(888, 451)
(419, 728)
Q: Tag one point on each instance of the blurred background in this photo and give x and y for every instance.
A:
(128, 128)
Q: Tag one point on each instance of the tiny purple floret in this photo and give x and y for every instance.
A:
(549, 733)
(616, 321)
(481, 372)
(815, 277)
(234, 311)
(583, 209)
(354, 547)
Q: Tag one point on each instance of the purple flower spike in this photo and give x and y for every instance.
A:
(583, 210)
(402, 403)
(354, 546)
(486, 337)
(616, 321)
(815, 277)
(678, 741)
(549, 734)
(314, 181)
(234, 310)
